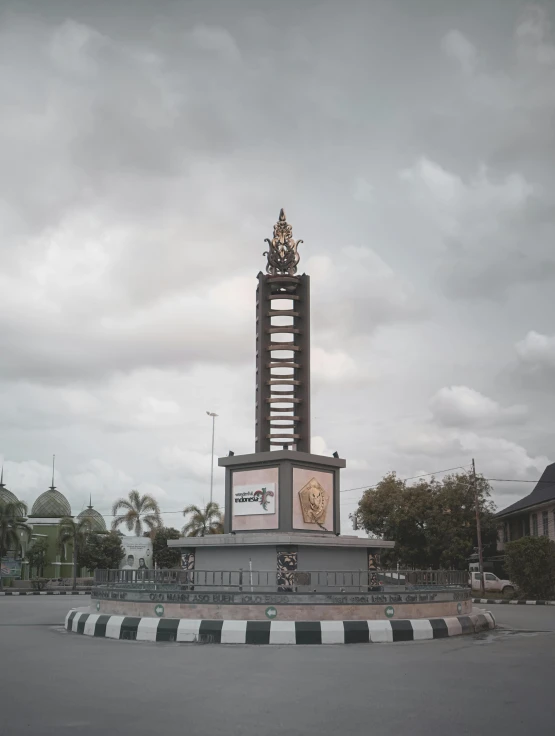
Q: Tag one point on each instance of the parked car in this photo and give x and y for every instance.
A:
(491, 583)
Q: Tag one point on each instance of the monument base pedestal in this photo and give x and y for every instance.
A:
(309, 562)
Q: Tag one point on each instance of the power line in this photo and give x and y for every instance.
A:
(519, 480)
(414, 477)
(492, 480)
(146, 513)
(424, 475)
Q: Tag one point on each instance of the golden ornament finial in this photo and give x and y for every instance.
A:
(282, 256)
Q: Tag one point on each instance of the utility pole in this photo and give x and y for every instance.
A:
(213, 415)
(478, 530)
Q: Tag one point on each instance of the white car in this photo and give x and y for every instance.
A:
(491, 583)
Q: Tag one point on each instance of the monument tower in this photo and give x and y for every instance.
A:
(282, 509)
(282, 346)
(282, 486)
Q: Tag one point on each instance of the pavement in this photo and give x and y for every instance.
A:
(53, 682)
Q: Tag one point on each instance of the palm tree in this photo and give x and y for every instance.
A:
(219, 525)
(75, 532)
(136, 507)
(12, 526)
(36, 556)
(205, 521)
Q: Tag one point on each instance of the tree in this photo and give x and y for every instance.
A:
(12, 528)
(530, 562)
(203, 521)
(138, 510)
(101, 550)
(75, 532)
(36, 556)
(433, 522)
(164, 556)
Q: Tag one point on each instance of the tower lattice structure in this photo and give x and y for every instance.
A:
(282, 347)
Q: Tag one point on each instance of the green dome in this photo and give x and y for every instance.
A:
(7, 496)
(51, 504)
(97, 520)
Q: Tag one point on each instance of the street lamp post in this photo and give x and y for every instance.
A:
(213, 415)
(478, 531)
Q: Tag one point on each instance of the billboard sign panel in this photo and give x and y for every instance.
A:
(10, 568)
(138, 553)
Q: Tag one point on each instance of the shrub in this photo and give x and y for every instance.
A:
(38, 583)
(530, 562)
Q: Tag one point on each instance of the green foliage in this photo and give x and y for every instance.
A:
(164, 556)
(530, 562)
(36, 555)
(433, 522)
(205, 521)
(12, 526)
(38, 583)
(74, 532)
(138, 510)
(103, 551)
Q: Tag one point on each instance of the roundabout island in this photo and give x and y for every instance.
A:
(282, 572)
(240, 607)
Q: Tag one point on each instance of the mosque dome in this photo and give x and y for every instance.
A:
(97, 520)
(51, 504)
(7, 496)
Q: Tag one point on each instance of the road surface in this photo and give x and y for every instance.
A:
(52, 682)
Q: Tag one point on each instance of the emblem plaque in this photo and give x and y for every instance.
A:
(314, 502)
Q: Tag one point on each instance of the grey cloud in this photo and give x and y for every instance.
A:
(461, 406)
(147, 159)
(537, 350)
(481, 229)
(533, 368)
(494, 130)
(54, 350)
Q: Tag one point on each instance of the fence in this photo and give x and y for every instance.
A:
(296, 581)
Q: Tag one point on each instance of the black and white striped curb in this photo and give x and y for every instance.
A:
(45, 592)
(274, 632)
(514, 603)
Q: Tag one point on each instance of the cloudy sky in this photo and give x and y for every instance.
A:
(147, 150)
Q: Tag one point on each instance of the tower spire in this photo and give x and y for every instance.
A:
(90, 500)
(53, 467)
(283, 257)
(282, 399)
(2, 477)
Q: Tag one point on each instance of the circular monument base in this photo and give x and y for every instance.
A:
(265, 606)
(254, 607)
(273, 631)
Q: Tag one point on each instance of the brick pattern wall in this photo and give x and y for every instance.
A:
(515, 525)
(550, 519)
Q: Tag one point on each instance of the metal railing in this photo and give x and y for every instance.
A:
(294, 581)
(427, 578)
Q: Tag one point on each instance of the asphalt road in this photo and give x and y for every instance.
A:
(52, 682)
(525, 618)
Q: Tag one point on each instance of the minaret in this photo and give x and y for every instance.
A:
(282, 347)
